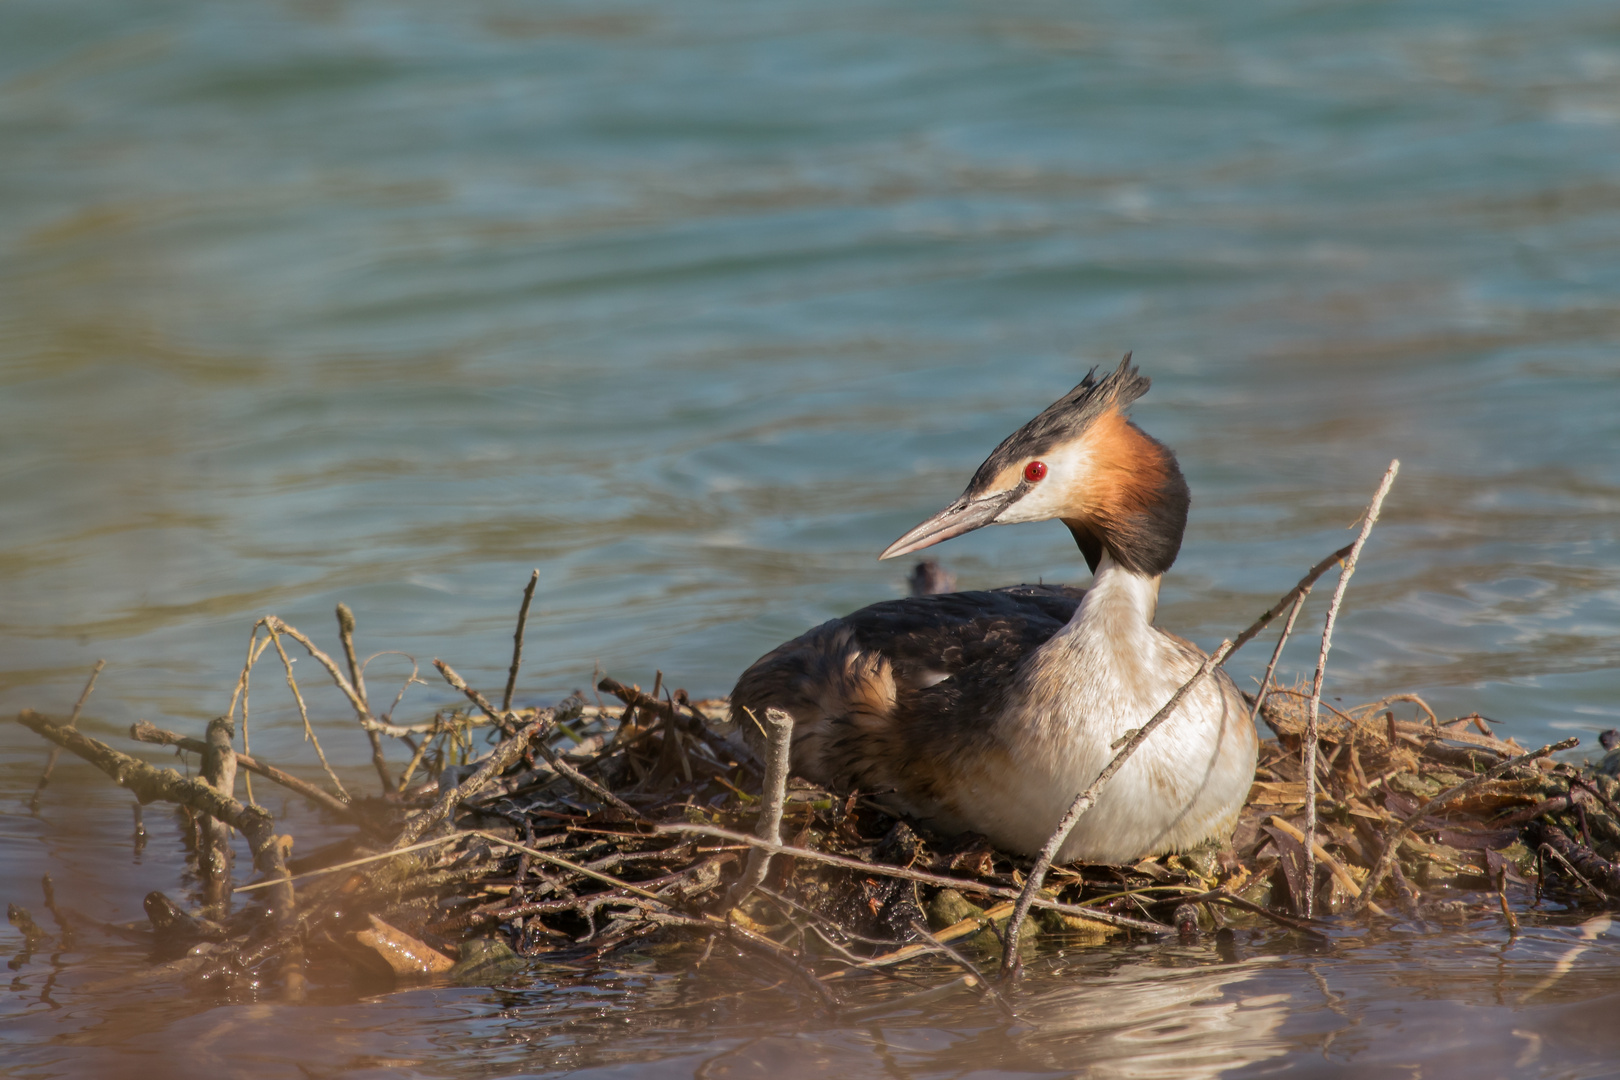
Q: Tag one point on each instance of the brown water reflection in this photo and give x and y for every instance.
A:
(1437, 1002)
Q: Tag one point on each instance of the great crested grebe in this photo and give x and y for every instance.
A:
(990, 711)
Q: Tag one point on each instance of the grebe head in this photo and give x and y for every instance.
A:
(1083, 462)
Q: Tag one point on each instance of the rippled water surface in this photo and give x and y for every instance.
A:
(694, 307)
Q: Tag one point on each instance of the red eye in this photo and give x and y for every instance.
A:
(1035, 471)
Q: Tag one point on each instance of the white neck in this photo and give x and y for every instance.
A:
(1110, 637)
(1118, 601)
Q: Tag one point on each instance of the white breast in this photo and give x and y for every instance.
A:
(1079, 696)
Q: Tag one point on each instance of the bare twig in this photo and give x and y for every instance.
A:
(635, 698)
(1334, 866)
(517, 641)
(421, 751)
(1369, 519)
(361, 710)
(779, 724)
(56, 751)
(357, 675)
(309, 732)
(1276, 654)
(1394, 834)
(255, 650)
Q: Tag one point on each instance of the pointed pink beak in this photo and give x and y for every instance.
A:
(962, 516)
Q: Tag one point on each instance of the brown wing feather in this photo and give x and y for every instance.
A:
(882, 689)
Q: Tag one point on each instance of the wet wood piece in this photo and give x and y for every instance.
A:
(779, 730)
(219, 773)
(149, 784)
(406, 956)
(143, 731)
(1598, 871)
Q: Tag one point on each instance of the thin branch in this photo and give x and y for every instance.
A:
(303, 712)
(920, 928)
(1271, 668)
(1369, 519)
(505, 754)
(357, 675)
(56, 751)
(517, 641)
(361, 710)
(416, 758)
(242, 689)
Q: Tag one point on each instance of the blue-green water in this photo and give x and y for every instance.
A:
(696, 306)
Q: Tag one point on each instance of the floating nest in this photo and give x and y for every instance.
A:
(567, 833)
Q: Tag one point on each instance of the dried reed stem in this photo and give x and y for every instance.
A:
(517, 641)
(1369, 519)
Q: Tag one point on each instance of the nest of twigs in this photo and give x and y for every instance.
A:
(568, 832)
(584, 827)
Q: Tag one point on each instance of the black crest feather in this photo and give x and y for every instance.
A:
(1065, 418)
